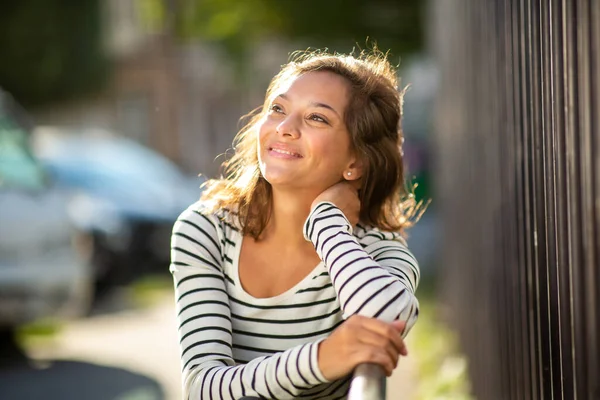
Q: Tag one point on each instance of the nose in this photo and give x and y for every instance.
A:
(289, 127)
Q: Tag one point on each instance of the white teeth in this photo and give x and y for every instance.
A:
(284, 152)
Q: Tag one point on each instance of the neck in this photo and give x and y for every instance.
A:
(289, 212)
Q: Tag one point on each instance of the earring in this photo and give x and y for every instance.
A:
(349, 173)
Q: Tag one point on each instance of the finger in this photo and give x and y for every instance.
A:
(365, 354)
(400, 326)
(387, 330)
(376, 340)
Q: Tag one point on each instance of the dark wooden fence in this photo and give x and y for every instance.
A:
(518, 184)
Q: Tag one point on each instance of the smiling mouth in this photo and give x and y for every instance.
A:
(285, 152)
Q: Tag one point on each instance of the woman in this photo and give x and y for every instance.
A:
(293, 270)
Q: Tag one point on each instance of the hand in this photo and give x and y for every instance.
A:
(344, 195)
(361, 340)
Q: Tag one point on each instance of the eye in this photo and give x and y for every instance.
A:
(317, 118)
(276, 108)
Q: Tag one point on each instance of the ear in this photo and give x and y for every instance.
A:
(353, 171)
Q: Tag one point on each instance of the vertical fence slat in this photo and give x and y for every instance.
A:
(517, 136)
(595, 139)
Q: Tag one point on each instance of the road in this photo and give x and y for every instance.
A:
(130, 354)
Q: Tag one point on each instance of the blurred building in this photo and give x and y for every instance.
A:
(178, 98)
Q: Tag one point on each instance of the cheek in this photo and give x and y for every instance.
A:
(327, 144)
(333, 154)
(332, 158)
(262, 135)
(262, 131)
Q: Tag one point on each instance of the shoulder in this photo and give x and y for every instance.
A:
(197, 212)
(201, 215)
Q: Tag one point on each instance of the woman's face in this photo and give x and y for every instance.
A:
(303, 141)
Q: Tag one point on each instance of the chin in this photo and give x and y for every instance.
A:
(280, 181)
(276, 175)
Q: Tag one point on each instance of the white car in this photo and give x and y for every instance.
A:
(45, 268)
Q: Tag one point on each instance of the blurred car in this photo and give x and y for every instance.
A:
(125, 195)
(45, 262)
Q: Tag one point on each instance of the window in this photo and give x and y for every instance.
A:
(18, 168)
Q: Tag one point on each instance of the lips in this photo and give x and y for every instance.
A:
(283, 151)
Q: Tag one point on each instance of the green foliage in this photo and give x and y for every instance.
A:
(38, 333)
(50, 49)
(147, 290)
(394, 24)
(235, 24)
(239, 24)
(153, 14)
(441, 368)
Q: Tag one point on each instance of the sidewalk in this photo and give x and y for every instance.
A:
(402, 385)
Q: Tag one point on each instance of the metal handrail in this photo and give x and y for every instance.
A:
(368, 383)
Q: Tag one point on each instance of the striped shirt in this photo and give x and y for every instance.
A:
(235, 345)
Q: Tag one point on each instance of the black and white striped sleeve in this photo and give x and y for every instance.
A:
(205, 331)
(376, 281)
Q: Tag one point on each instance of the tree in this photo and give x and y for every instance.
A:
(51, 49)
(238, 24)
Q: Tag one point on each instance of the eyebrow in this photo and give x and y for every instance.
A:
(314, 104)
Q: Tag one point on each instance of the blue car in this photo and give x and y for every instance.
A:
(45, 261)
(124, 194)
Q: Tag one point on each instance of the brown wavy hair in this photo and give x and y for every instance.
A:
(372, 117)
